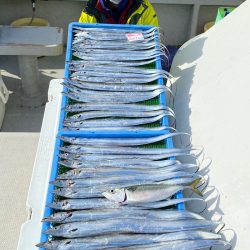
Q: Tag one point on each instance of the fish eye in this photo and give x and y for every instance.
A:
(112, 191)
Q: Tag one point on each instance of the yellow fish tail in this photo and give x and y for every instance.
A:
(194, 188)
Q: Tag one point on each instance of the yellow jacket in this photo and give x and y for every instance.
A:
(141, 13)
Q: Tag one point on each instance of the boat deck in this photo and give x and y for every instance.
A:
(19, 118)
(18, 144)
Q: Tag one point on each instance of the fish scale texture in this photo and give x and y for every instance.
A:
(17, 154)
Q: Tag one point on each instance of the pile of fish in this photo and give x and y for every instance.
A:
(113, 79)
(118, 193)
(123, 193)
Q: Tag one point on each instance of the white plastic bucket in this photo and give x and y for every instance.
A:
(4, 96)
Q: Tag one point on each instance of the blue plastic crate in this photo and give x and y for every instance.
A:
(98, 134)
(162, 97)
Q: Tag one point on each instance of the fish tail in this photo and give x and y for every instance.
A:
(194, 188)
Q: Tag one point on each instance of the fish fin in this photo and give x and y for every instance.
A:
(194, 188)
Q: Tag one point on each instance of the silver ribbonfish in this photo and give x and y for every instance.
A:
(100, 227)
(121, 141)
(107, 106)
(111, 171)
(183, 244)
(125, 240)
(102, 203)
(121, 179)
(87, 215)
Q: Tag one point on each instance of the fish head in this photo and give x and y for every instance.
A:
(117, 195)
(61, 205)
(53, 231)
(58, 217)
(60, 229)
(48, 245)
(69, 174)
(57, 244)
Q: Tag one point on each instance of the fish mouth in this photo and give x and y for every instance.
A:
(42, 244)
(49, 219)
(53, 205)
(48, 231)
(45, 219)
(53, 182)
(56, 191)
(105, 194)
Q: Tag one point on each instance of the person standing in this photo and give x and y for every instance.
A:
(139, 12)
